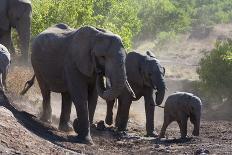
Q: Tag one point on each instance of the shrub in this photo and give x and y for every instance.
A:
(114, 15)
(215, 71)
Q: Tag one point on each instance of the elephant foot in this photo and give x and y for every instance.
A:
(83, 139)
(195, 133)
(185, 136)
(46, 119)
(109, 120)
(161, 135)
(152, 134)
(101, 125)
(66, 127)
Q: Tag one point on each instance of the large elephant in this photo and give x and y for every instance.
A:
(145, 76)
(68, 61)
(179, 107)
(15, 14)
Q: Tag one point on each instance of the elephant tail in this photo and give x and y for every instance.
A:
(28, 85)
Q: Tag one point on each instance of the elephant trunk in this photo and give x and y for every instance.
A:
(160, 92)
(23, 29)
(118, 81)
(113, 91)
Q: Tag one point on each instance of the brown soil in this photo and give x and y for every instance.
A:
(22, 133)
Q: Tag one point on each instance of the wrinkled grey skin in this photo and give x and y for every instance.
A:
(67, 61)
(15, 14)
(179, 107)
(4, 66)
(145, 76)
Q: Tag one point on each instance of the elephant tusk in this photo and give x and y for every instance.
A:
(130, 89)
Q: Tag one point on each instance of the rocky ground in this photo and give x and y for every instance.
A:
(22, 133)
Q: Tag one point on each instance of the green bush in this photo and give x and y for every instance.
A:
(114, 15)
(215, 71)
(162, 16)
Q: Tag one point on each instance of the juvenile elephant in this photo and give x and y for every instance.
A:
(179, 107)
(15, 14)
(67, 61)
(4, 65)
(145, 76)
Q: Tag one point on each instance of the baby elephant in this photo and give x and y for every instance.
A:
(179, 107)
(4, 65)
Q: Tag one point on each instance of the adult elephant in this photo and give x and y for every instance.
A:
(67, 61)
(15, 14)
(145, 76)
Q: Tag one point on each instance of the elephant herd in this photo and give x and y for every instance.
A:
(88, 62)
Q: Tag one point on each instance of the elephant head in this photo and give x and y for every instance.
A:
(17, 14)
(195, 115)
(153, 76)
(101, 53)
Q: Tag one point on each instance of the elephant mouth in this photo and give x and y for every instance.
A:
(107, 89)
(128, 87)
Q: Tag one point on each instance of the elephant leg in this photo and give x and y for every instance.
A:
(6, 40)
(109, 112)
(46, 94)
(183, 126)
(150, 110)
(65, 113)
(78, 88)
(92, 102)
(123, 113)
(4, 75)
(1, 83)
(166, 123)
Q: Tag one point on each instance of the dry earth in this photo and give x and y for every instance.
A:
(22, 133)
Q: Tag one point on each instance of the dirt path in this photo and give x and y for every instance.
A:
(23, 133)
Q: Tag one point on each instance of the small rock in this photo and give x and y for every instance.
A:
(201, 151)
(157, 146)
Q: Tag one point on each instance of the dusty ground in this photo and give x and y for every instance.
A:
(22, 133)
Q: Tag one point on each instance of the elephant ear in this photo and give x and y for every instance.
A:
(80, 50)
(150, 54)
(4, 21)
(142, 68)
(102, 44)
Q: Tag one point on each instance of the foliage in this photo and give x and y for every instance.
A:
(178, 16)
(215, 71)
(132, 19)
(208, 12)
(120, 18)
(162, 16)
